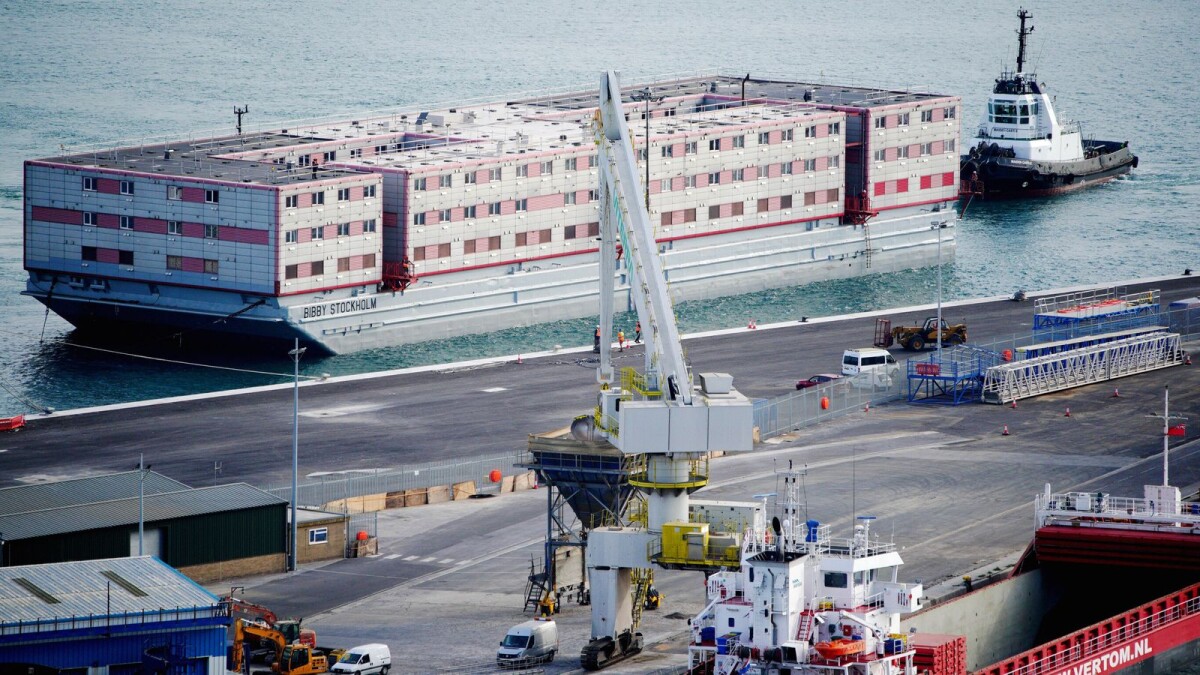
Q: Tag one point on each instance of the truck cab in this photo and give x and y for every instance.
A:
(530, 642)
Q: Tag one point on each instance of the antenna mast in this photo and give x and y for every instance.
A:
(239, 112)
(1022, 14)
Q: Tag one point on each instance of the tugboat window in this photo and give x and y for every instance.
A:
(836, 579)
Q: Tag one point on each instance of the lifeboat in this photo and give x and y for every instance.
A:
(838, 648)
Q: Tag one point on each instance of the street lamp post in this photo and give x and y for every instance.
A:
(295, 353)
(647, 95)
(141, 502)
(940, 225)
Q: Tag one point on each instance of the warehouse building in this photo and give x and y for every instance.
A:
(207, 533)
(109, 617)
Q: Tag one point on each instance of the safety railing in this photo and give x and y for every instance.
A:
(126, 618)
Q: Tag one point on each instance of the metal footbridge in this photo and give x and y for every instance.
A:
(1097, 362)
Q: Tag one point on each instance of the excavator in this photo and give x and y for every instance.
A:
(301, 657)
(254, 613)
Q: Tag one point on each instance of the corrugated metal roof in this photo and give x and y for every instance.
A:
(163, 506)
(82, 491)
(81, 589)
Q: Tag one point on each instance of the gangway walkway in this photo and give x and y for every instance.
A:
(1008, 382)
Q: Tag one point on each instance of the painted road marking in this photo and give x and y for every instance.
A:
(446, 561)
(429, 559)
(410, 558)
(391, 557)
(494, 390)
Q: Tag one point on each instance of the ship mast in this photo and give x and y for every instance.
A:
(1022, 14)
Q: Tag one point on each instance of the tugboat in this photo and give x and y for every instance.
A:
(1023, 149)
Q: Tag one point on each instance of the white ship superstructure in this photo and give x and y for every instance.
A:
(408, 226)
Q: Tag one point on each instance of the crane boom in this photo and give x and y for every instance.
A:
(624, 216)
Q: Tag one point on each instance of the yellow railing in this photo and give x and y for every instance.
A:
(633, 381)
(646, 475)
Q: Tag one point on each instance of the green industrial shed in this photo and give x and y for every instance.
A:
(207, 533)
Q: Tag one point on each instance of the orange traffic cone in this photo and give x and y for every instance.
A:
(1187, 359)
(1005, 432)
(519, 359)
(1116, 392)
(1068, 413)
(1014, 405)
(867, 408)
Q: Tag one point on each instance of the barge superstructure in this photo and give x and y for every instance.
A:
(408, 226)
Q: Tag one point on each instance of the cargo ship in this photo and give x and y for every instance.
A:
(406, 226)
(1022, 148)
(1108, 585)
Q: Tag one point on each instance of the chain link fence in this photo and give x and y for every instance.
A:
(831, 400)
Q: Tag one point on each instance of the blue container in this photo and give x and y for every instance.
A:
(893, 646)
(708, 634)
(726, 641)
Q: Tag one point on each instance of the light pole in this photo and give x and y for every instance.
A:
(940, 225)
(295, 353)
(647, 95)
(141, 502)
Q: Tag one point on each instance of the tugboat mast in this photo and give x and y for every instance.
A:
(1022, 14)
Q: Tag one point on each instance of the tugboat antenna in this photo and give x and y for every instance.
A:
(1022, 14)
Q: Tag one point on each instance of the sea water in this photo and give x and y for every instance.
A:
(78, 72)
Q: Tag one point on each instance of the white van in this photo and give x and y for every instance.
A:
(372, 659)
(534, 641)
(878, 362)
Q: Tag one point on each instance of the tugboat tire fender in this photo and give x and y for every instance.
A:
(1135, 161)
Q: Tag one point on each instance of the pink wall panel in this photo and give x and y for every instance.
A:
(655, 186)
(193, 194)
(890, 154)
(534, 169)
(545, 201)
(702, 180)
(948, 178)
(585, 162)
(776, 137)
(65, 216)
(305, 199)
(356, 262)
(356, 193)
(106, 255)
(822, 130)
(773, 204)
(677, 183)
(330, 231)
(819, 197)
(914, 150)
(151, 225)
(193, 264)
(678, 150)
(902, 185)
(726, 210)
(774, 170)
(242, 235)
(108, 186)
(110, 220)
(431, 252)
(880, 188)
(508, 207)
(304, 235)
(726, 177)
(304, 269)
(432, 217)
(939, 114)
(797, 167)
(938, 147)
(356, 228)
(533, 237)
(193, 230)
(822, 163)
(726, 143)
(483, 176)
(891, 121)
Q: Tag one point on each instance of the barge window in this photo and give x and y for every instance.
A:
(739, 141)
(343, 194)
(126, 187)
(785, 168)
(902, 152)
(835, 161)
(881, 122)
(329, 156)
(810, 165)
(691, 147)
(211, 231)
(212, 196)
(318, 267)
(469, 178)
(593, 195)
(174, 262)
(739, 174)
(124, 257)
(291, 236)
(835, 129)
(469, 211)
(547, 168)
(291, 272)
(714, 144)
(368, 260)
(317, 233)
(445, 216)
(343, 229)
(787, 135)
(522, 205)
(689, 181)
(419, 184)
(764, 138)
(344, 264)
(572, 163)
(493, 209)
(495, 174)
(926, 115)
(950, 145)
(419, 218)
(89, 218)
(369, 224)
(89, 183)
(369, 191)
(810, 132)
(880, 155)
(714, 178)
(445, 180)
(174, 192)
(87, 253)
(569, 198)
(211, 266)
(523, 171)
(903, 119)
(126, 222)
(785, 202)
(174, 227)
(951, 112)
(318, 198)
(291, 201)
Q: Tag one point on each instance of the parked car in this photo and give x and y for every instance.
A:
(817, 380)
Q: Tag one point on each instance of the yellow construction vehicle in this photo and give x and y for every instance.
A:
(916, 338)
(255, 633)
(300, 659)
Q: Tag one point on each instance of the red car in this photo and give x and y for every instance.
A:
(817, 380)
